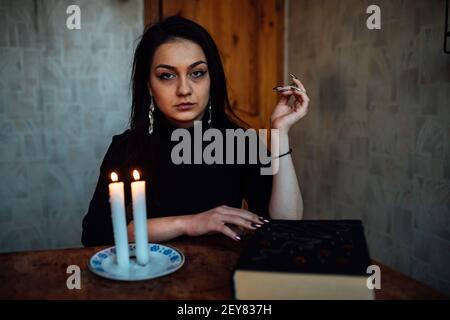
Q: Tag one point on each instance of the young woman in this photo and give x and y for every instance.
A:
(178, 79)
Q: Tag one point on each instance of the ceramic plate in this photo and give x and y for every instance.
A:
(163, 261)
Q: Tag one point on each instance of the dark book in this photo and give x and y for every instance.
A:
(304, 259)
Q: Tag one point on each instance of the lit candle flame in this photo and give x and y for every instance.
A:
(136, 175)
(114, 177)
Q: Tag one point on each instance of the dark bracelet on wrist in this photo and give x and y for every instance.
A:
(284, 154)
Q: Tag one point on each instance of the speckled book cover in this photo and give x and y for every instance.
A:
(308, 246)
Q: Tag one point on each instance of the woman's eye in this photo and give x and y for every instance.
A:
(198, 73)
(165, 76)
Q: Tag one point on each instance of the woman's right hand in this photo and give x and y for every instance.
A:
(216, 220)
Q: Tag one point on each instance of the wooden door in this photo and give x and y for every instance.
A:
(249, 34)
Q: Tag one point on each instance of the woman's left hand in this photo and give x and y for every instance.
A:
(285, 116)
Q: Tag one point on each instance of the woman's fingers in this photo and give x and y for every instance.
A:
(241, 218)
(245, 214)
(284, 89)
(228, 232)
(283, 99)
(299, 83)
(290, 88)
(296, 92)
(291, 92)
(239, 221)
(301, 94)
(299, 90)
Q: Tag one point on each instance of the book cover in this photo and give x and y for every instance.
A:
(316, 258)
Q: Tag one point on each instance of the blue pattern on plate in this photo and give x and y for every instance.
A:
(101, 263)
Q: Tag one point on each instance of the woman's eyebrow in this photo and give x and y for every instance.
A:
(173, 68)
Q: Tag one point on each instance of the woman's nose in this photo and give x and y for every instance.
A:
(183, 87)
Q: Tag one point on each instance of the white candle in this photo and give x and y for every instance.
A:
(117, 202)
(140, 219)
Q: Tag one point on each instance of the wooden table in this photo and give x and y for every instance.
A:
(206, 274)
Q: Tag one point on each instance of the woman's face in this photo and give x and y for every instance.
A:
(179, 74)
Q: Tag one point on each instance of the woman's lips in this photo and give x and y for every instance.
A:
(185, 106)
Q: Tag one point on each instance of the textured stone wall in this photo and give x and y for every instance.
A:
(63, 94)
(375, 145)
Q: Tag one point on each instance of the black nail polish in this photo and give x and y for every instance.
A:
(255, 225)
(237, 238)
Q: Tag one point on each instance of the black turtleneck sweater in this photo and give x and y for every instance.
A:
(171, 189)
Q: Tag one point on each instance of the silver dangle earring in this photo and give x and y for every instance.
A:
(210, 114)
(150, 116)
